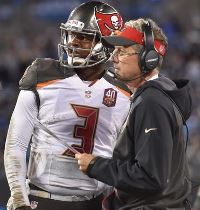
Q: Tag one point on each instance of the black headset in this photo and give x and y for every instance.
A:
(148, 57)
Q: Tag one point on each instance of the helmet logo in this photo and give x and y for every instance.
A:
(108, 22)
(115, 21)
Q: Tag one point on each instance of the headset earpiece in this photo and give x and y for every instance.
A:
(148, 57)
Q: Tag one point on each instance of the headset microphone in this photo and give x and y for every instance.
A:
(111, 72)
(132, 79)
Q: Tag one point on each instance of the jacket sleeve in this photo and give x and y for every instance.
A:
(149, 166)
(18, 138)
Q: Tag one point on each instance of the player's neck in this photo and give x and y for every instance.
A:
(91, 74)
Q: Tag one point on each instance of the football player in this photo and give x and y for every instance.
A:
(66, 106)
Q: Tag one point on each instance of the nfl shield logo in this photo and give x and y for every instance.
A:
(110, 97)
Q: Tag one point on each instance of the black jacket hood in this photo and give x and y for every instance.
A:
(177, 90)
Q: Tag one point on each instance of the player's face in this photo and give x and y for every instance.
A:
(80, 43)
(125, 61)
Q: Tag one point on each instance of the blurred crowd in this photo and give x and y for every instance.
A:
(30, 29)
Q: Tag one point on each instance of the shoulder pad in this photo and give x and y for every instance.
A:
(110, 77)
(29, 79)
(43, 70)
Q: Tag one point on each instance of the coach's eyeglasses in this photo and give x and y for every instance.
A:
(121, 53)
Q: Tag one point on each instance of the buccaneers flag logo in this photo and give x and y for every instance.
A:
(108, 23)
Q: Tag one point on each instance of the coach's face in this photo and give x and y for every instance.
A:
(125, 60)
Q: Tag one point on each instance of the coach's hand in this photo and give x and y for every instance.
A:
(24, 208)
(84, 160)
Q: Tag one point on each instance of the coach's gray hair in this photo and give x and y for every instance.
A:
(157, 31)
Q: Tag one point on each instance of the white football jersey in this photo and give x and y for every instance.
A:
(86, 115)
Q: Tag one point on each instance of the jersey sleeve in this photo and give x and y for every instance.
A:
(18, 138)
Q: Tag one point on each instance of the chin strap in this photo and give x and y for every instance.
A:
(76, 61)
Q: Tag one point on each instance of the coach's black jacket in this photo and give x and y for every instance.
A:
(149, 167)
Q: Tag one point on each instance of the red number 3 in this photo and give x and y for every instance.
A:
(86, 132)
